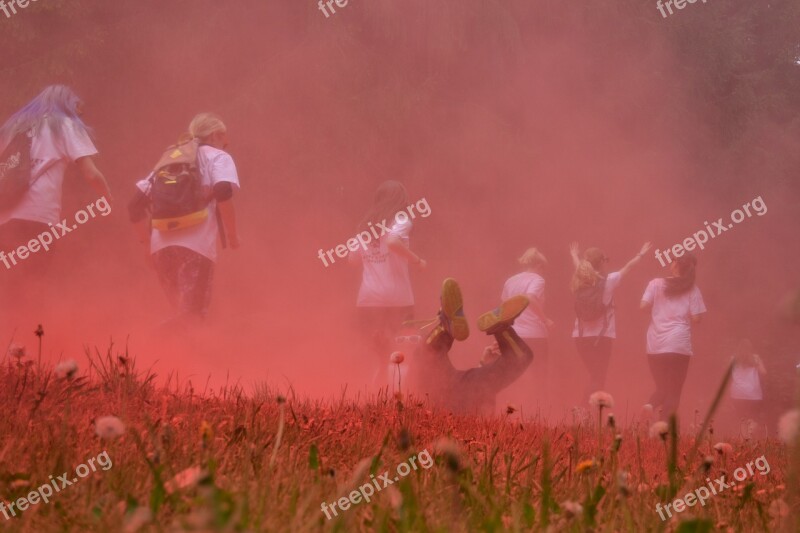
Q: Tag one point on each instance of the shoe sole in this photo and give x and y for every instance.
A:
(504, 315)
(453, 308)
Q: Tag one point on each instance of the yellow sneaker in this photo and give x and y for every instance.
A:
(502, 317)
(452, 310)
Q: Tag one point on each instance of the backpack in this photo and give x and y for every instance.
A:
(589, 305)
(177, 198)
(15, 171)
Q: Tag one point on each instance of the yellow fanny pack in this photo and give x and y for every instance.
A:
(185, 221)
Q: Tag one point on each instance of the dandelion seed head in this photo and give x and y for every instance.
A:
(601, 399)
(16, 350)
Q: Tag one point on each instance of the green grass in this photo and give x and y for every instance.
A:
(224, 460)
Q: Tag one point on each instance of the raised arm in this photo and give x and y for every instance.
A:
(760, 365)
(573, 251)
(636, 258)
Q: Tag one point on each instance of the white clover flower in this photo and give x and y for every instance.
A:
(66, 369)
(109, 427)
(572, 508)
(185, 479)
(397, 357)
(659, 429)
(723, 448)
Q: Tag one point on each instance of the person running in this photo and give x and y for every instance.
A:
(181, 233)
(533, 325)
(595, 326)
(473, 390)
(42, 139)
(746, 393)
(385, 298)
(675, 303)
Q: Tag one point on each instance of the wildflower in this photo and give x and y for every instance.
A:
(647, 411)
(723, 448)
(185, 479)
(787, 426)
(617, 441)
(397, 357)
(584, 466)
(601, 399)
(39, 331)
(16, 350)
(659, 429)
(612, 422)
(511, 409)
(572, 509)
(707, 462)
(280, 399)
(108, 427)
(66, 369)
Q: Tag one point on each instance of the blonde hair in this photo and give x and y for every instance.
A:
(585, 276)
(204, 125)
(532, 258)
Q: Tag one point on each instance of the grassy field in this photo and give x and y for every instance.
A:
(182, 459)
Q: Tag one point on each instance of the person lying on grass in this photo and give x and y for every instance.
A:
(473, 390)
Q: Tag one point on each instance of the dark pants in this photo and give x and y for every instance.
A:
(669, 372)
(596, 355)
(16, 233)
(186, 277)
(744, 409)
(22, 288)
(379, 324)
(475, 389)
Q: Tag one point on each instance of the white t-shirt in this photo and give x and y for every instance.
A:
(670, 328)
(51, 152)
(384, 279)
(593, 328)
(746, 383)
(528, 325)
(215, 166)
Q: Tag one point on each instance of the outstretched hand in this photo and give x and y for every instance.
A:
(645, 247)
